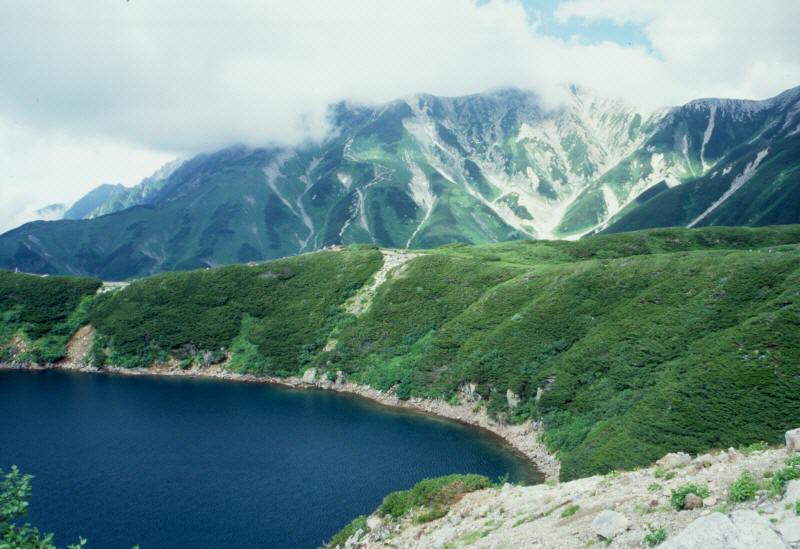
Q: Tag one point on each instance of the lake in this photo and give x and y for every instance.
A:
(177, 462)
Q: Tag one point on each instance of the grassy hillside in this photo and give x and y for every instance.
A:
(636, 344)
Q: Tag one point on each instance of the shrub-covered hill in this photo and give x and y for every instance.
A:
(45, 311)
(626, 346)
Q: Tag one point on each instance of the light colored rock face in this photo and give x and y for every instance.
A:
(792, 492)
(512, 398)
(374, 522)
(670, 461)
(608, 524)
(310, 375)
(742, 530)
(790, 530)
(793, 440)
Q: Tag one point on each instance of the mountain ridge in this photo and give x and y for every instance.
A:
(424, 171)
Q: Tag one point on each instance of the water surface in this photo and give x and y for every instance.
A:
(177, 463)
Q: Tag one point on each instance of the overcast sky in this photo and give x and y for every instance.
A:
(95, 91)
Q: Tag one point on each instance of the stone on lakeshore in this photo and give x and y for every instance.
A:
(310, 375)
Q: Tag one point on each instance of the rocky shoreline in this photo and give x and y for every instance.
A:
(628, 510)
(524, 438)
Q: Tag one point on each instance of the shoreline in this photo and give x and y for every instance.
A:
(523, 439)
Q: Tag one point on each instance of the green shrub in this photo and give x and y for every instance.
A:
(655, 536)
(678, 498)
(569, 511)
(432, 496)
(782, 476)
(743, 489)
(662, 473)
(654, 487)
(754, 447)
(797, 507)
(358, 523)
(15, 493)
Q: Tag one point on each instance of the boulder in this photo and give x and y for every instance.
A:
(790, 529)
(740, 530)
(692, 501)
(793, 440)
(608, 524)
(676, 459)
(792, 492)
(705, 460)
(710, 501)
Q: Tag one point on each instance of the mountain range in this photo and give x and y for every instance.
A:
(424, 171)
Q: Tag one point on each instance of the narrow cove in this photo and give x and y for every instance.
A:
(177, 462)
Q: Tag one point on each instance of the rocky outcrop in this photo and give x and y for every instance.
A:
(617, 510)
(792, 492)
(670, 461)
(793, 440)
(739, 530)
(789, 529)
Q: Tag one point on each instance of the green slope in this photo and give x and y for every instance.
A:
(637, 344)
(770, 196)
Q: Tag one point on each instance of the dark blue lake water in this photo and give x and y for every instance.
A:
(178, 463)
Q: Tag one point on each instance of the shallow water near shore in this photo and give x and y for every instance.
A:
(177, 462)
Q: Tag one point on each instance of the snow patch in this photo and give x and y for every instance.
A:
(736, 184)
(421, 194)
(612, 203)
(344, 179)
(707, 136)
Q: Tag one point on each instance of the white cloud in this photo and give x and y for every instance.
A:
(729, 48)
(37, 169)
(164, 77)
